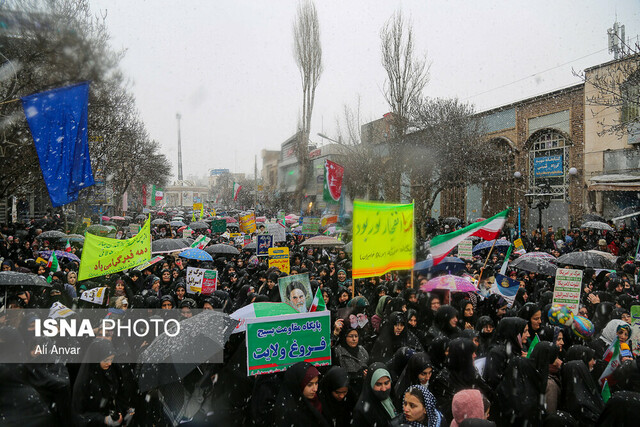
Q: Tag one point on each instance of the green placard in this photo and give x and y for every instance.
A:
(218, 226)
(277, 342)
(310, 225)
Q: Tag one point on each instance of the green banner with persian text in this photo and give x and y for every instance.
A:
(277, 342)
(102, 255)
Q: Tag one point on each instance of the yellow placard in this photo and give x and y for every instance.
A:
(102, 256)
(86, 221)
(383, 238)
(279, 257)
(518, 244)
(248, 223)
(234, 235)
(197, 206)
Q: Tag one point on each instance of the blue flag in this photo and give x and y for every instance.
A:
(58, 120)
(506, 287)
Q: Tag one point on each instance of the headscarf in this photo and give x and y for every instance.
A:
(416, 365)
(621, 410)
(580, 395)
(434, 418)
(581, 352)
(381, 304)
(609, 333)
(383, 396)
(466, 404)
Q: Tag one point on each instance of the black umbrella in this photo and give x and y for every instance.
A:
(99, 229)
(141, 216)
(13, 278)
(201, 338)
(250, 247)
(159, 221)
(535, 265)
(165, 246)
(177, 224)
(198, 225)
(221, 249)
(451, 220)
(53, 234)
(586, 259)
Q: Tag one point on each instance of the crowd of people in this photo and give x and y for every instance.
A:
(400, 356)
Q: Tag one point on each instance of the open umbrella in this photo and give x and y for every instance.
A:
(230, 220)
(177, 218)
(165, 246)
(105, 218)
(535, 265)
(250, 247)
(597, 225)
(586, 259)
(322, 241)
(201, 338)
(98, 229)
(52, 234)
(198, 225)
(77, 238)
(221, 249)
(13, 278)
(141, 216)
(118, 218)
(177, 224)
(450, 264)
(611, 257)
(489, 243)
(60, 255)
(348, 248)
(450, 283)
(544, 255)
(196, 254)
(159, 221)
(261, 219)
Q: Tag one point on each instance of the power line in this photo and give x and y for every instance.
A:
(535, 74)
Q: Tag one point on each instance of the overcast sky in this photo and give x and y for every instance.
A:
(228, 67)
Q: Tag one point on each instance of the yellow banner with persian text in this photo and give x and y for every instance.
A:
(383, 236)
(102, 255)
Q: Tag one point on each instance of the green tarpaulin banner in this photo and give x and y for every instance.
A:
(277, 342)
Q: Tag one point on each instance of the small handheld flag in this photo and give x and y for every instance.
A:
(67, 247)
(318, 302)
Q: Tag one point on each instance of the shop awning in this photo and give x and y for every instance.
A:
(615, 182)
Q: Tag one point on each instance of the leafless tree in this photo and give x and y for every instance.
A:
(307, 52)
(361, 161)
(447, 148)
(407, 75)
(617, 88)
(53, 43)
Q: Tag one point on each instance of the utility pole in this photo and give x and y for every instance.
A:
(178, 117)
(255, 180)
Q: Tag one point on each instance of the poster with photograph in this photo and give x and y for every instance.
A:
(296, 291)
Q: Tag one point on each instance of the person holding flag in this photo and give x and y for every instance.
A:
(53, 266)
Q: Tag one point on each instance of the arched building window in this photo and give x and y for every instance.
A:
(548, 162)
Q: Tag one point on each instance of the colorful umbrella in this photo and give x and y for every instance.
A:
(197, 254)
(118, 218)
(59, 255)
(449, 264)
(489, 243)
(450, 283)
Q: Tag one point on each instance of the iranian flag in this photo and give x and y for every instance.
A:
(52, 265)
(67, 248)
(318, 302)
(333, 173)
(612, 357)
(488, 229)
(236, 190)
(156, 195)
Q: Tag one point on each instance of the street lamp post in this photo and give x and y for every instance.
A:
(540, 201)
